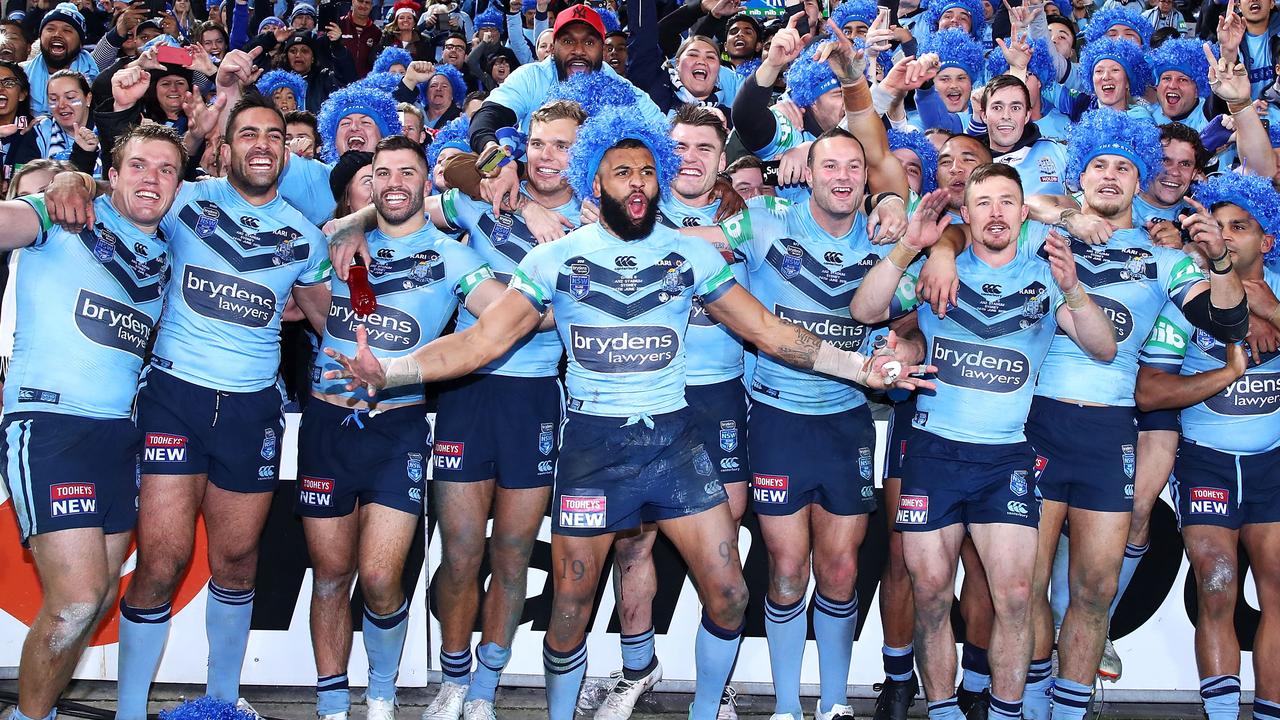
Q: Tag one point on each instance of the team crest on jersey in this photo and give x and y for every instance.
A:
(420, 272)
(546, 438)
(1134, 269)
(1203, 340)
(728, 435)
(208, 221)
(269, 444)
(579, 280)
(1032, 310)
(1046, 165)
(105, 248)
(1130, 459)
(413, 466)
(702, 461)
(1018, 482)
(671, 281)
(501, 229)
(791, 263)
(864, 463)
(284, 252)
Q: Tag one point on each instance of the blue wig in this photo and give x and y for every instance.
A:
(1064, 8)
(809, 78)
(206, 708)
(391, 56)
(605, 130)
(276, 79)
(594, 91)
(977, 16)
(610, 20)
(383, 81)
(1252, 193)
(745, 69)
(1103, 21)
(456, 82)
(1041, 65)
(1107, 132)
(455, 134)
(916, 142)
(1129, 56)
(863, 11)
(1273, 132)
(489, 18)
(527, 5)
(1185, 56)
(955, 49)
(350, 100)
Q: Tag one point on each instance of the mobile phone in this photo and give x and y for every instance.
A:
(155, 8)
(170, 55)
(494, 159)
(21, 122)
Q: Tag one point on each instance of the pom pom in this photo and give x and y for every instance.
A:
(276, 79)
(1128, 55)
(916, 142)
(977, 16)
(1041, 65)
(206, 708)
(745, 69)
(356, 98)
(391, 56)
(863, 11)
(1273, 132)
(456, 81)
(455, 134)
(610, 20)
(595, 91)
(809, 78)
(1131, 18)
(1184, 55)
(1252, 193)
(1107, 132)
(381, 81)
(608, 128)
(489, 18)
(956, 49)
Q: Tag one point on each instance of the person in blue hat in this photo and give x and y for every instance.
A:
(61, 47)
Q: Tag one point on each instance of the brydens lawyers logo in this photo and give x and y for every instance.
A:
(913, 509)
(162, 447)
(72, 499)
(770, 488)
(316, 492)
(448, 455)
(582, 511)
(1210, 501)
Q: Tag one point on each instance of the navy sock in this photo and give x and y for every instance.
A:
(977, 671)
(456, 666)
(1221, 697)
(899, 663)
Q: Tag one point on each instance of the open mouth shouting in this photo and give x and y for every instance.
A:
(637, 205)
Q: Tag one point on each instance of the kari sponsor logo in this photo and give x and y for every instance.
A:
(582, 511)
(316, 492)
(162, 447)
(72, 499)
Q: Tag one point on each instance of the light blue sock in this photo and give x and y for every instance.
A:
(834, 623)
(1265, 709)
(1070, 699)
(715, 651)
(1060, 583)
(455, 667)
(383, 643)
(1221, 697)
(1038, 693)
(564, 673)
(484, 682)
(17, 715)
(786, 628)
(947, 709)
(226, 622)
(333, 695)
(977, 671)
(1132, 556)
(143, 632)
(899, 663)
(637, 650)
(1004, 709)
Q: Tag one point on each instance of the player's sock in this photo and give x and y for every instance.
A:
(484, 682)
(1265, 709)
(947, 709)
(383, 643)
(564, 673)
(1132, 556)
(715, 650)
(833, 625)
(1070, 699)
(226, 621)
(1038, 693)
(977, 671)
(1004, 709)
(899, 663)
(333, 695)
(455, 667)
(143, 632)
(786, 628)
(1060, 583)
(637, 653)
(17, 715)
(1221, 697)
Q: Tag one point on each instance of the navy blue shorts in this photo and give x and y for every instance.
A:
(345, 456)
(945, 482)
(1211, 487)
(491, 426)
(798, 460)
(1085, 456)
(900, 430)
(722, 413)
(614, 476)
(1160, 420)
(65, 472)
(234, 438)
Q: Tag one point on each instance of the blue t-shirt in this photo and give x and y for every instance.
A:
(526, 89)
(419, 281)
(622, 308)
(1262, 69)
(87, 303)
(234, 265)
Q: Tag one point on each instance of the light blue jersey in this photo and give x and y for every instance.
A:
(1194, 120)
(1144, 211)
(503, 244)
(87, 303)
(234, 265)
(805, 276)
(304, 184)
(1243, 419)
(1131, 281)
(622, 309)
(419, 280)
(1054, 125)
(1041, 166)
(526, 89)
(988, 348)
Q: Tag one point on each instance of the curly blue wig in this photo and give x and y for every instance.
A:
(383, 81)
(1129, 57)
(391, 56)
(350, 100)
(605, 130)
(276, 79)
(455, 134)
(1184, 55)
(955, 49)
(809, 78)
(745, 69)
(594, 91)
(1041, 65)
(1103, 21)
(1252, 193)
(206, 708)
(456, 82)
(977, 16)
(916, 142)
(1107, 132)
(489, 18)
(610, 20)
(1273, 132)
(863, 11)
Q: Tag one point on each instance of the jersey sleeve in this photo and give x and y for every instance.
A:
(459, 210)
(749, 231)
(317, 269)
(304, 184)
(522, 91)
(36, 203)
(534, 277)
(1166, 346)
(468, 270)
(785, 137)
(905, 298)
(712, 276)
(1178, 274)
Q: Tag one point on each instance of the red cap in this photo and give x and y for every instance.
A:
(579, 13)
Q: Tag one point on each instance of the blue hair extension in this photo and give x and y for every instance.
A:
(206, 708)
(276, 79)
(382, 81)
(1252, 193)
(809, 78)
(745, 69)
(1184, 55)
(356, 98)
(610, 20)
(456, 81)
(977, 16)
(605, 130)
(1041, 65)
(916, 142)
(594, 91)
(391, 56)
(455, 134)
(1129, 56)
(1106, 132)
(863, 11)
(956, 49)
(1103, 21)
(489, 18)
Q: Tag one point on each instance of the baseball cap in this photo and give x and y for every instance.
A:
(579, 13)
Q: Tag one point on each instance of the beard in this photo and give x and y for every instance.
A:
(562, 72)
(399, 216)
(613, 214)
